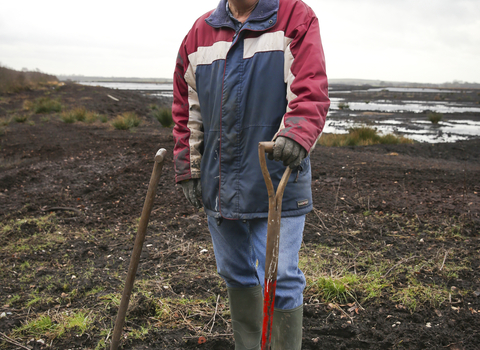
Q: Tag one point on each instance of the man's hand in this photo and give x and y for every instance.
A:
(192, 189)
(288, 151)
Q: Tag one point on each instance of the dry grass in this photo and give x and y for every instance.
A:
(126, 121)
(80, 114)
(361, 136)
(12, 81)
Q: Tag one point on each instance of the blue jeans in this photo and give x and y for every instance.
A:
(240, 247)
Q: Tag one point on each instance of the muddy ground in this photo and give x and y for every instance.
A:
(402, 221)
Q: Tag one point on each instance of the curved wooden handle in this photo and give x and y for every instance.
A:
(268, 145)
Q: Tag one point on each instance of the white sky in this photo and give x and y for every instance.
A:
(431, 41)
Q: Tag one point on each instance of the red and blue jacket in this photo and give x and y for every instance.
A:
(235, 89)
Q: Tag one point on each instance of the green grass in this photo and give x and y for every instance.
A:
(126, 121)
(41, 236)
(45, 105)
(67, 117)
(55, 326)
(13, 299)
(37, 327)
(349, 273)
(5, 121)
(434, 117)
(79, 114)
(19, 118)
(164, 116)
(343, 105)
(34, 300)
(361, 136)
(139, 333)
(337, 289)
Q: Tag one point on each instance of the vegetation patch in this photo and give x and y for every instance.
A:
(126, 121)
(434, 117)
(54, 326)
(164, 116)
(343, 105)
(352, 275)
(43, 105)
(361, 136)
(20, 118)
(12, 81)
(80, 114)
(29, 234)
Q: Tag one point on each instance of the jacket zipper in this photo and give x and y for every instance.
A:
(234, 41)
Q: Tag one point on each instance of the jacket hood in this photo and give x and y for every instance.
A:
(265, 9)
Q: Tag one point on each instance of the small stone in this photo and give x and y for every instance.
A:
(477, 293)
(428, 325)
(3, 314)
(73, 277)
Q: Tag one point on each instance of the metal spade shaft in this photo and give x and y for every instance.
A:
(273, 241)
(137, 248)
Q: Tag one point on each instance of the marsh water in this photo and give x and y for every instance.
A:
(398, 110)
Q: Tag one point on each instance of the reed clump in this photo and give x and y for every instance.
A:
(361, 136)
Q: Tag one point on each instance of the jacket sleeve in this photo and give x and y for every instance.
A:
(307, 85)
(188, 129)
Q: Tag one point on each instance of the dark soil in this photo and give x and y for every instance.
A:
(94, 179)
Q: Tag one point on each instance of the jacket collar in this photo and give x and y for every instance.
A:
(264, 10)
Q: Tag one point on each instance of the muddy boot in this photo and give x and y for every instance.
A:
(287, 329)
(246, 308)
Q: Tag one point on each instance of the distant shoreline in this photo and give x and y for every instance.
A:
(81, 78)
(351, 82)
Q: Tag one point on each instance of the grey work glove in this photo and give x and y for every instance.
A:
(192, 189)
(288, 151)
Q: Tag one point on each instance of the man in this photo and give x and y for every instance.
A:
(251, 71)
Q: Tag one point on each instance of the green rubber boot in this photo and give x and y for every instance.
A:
(287, 329)
(246, 308)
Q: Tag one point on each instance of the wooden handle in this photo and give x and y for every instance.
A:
(137, 248)
(268, 146)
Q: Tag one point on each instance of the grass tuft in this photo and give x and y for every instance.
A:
(80, 114)
(44, 105)
(361, 136)
(44, 325)
(126, 121)
(343, 105)
(434, 117)
(67, 117)
(19, 118)
(164, 116)
(337, 289)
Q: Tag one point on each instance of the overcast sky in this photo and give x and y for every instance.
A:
(431, 41)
